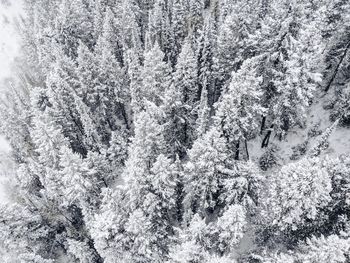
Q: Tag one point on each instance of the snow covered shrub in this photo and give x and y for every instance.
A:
(219, 259)
(272, 257)
(314, 130)
(299, 150)
(297, 193)
(328, 103)
(32, 258)
(269, 158)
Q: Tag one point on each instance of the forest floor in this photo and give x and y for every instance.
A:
(318, 120)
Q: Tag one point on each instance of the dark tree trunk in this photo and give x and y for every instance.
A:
(266, 140)
(96, 256)
(237, 151)
(263, 122)
(186, 141)
(179, 201)
(246, 149)
(125, 117)
(329, 84)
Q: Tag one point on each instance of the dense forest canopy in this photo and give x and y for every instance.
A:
(197, 131)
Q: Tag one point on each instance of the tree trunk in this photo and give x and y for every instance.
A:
(96, 256)
(246, 149)
(179, 201)
(262, 128)
(266, 140)
(123, 111)
(237, 151)
(337, 67)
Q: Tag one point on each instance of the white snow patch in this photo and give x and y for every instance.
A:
(339, 140)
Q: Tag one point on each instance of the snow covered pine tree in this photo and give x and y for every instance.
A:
(162, 131)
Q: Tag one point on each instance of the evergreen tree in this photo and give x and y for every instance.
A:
(239, 110)
(180, 101)
(196, 8)
(238, 22)
(147, 144)
(299, 194)
(189, 247)
(62, 85)
(131, 26)
(135, 82)
(179, 26)
(155, 75)
(323, 143)
(231, 226)
(160, 29)
(202, 174)
(202, 121)
(334, 26)
(205, 55)
(290, 75)
(130, 120)
(326, 249)
(74, 24)
(111, 77)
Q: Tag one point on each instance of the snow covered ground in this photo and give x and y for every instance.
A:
(317, 118)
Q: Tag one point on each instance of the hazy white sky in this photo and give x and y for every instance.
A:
(8, 49)
(8, 36)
